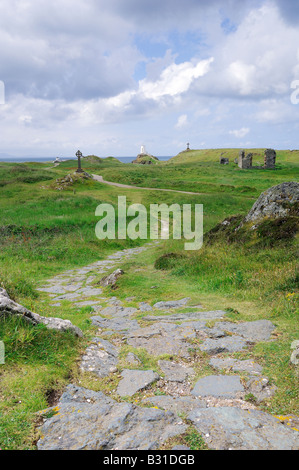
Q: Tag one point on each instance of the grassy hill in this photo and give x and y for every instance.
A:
(213, 155)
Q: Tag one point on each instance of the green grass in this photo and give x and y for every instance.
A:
(44, 232)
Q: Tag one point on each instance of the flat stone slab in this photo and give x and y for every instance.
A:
(226, 344)
(160, 339)
(115, 324)
(172, 304)
(176, 404)
(255, 331)
(135, 380)
(220, 386)
(57, 289)
(89, 291)
(233, 364)
(101, 358)
(184, 317)
(226, 428)
(71, 296)
(175, 372)
(88, 420)
(118, 311)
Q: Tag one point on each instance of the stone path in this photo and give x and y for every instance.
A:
(173, 396)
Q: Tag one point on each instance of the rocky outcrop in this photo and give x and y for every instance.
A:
(70, 180)
(9, 307)
(278, 201)
(145, 159)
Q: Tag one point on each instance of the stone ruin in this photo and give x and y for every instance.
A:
(270, 159)
(245, 161)
(223, 160)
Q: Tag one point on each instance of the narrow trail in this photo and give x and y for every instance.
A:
(126, 186)
(144, 408)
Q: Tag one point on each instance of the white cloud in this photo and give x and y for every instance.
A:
(182, 121)
(239, 133)
(175, 79)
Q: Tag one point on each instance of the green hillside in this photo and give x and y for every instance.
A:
(209, 155)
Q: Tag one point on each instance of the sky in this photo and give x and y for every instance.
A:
(106, 77)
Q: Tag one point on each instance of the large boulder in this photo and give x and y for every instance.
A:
(278, 201)
(9, 307)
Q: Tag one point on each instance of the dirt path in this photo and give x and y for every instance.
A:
(119, 185)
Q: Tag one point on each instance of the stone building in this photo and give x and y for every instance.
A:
(245, 161)
(270, 159)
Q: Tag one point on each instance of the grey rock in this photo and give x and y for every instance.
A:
(254, 331)
(145, 307)
(57, 289)
(200, 316)
(220, 386)
(160, 339)
(9, 307)
(295, 353)
(175, 372)
(295, 357)
(111, 279)
(172, 304)
(178, 405)
(89, 420)
(226, 344)
(135, 380)
(58, 324)
(260, 388)
(117, 311)
(116, 324)
(133, 359)
(226, 428)
(275, 202)
(101, 358)
(89, 291)
(233, 364)
(67, 296)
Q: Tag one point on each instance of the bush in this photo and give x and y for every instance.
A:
(168, 261)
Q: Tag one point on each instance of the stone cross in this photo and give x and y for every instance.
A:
(79, 156)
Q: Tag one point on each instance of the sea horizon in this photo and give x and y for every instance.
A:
(26, 159)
